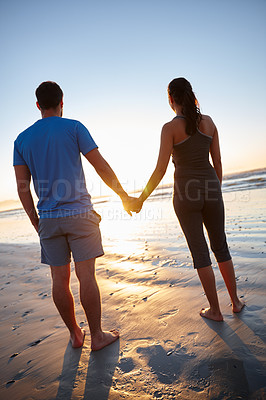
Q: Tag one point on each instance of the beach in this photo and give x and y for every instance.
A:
(152, 294)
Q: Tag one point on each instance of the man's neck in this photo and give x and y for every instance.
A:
(51, 113)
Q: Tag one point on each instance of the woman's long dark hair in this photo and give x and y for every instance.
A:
(181, 91)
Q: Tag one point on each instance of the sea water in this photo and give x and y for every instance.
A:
(156, 227)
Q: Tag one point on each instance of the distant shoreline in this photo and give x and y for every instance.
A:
(15, 205)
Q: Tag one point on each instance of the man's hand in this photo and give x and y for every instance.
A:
(125, 200)
(132, 204)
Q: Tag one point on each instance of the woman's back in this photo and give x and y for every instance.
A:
(191, 153)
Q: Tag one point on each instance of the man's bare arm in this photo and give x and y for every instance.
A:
(23, 178)
(104, 170)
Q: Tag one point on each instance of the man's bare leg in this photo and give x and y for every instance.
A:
(228, 274)
(207, 279)
(91, 302)
(63, 299)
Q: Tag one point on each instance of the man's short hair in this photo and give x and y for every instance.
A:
(49, 95)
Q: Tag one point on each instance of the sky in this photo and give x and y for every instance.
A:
(114, 60)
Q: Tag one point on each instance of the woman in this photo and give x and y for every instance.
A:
(190, 137)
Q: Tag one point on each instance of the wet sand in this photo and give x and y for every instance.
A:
(151, 293)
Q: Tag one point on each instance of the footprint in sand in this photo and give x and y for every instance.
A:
(169, 342)
(38, 341)
(166, 315)
(14, 327)
(169, 313)
(9, 383)
(126, 364)
(26, 313)
(14, 355)
(43, 294)
(35, 343)
(18, 376)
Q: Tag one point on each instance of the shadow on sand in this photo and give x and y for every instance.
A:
(101, 368)
(243, 364)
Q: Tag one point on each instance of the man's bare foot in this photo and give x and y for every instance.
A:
(104, 339)
(209, 314)
(237, 307)
(77, 338)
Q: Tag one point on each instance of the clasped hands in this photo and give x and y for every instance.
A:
(131, 204)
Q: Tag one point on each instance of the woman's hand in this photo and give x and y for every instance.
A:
(132, 204)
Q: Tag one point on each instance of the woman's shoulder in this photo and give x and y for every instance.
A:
(207, 125)
(172, 127)
(174, 123)
(168, 126)
(206, 118)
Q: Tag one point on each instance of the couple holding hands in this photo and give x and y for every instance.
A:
(49, 153)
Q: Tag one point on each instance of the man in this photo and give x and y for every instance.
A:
(49, 152)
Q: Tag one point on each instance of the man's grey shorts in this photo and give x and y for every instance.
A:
(78, 234)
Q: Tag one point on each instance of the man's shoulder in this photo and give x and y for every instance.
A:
(59, 124)
(71, 123)
(64, 120)
(26, 132)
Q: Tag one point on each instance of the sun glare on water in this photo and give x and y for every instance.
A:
(123, 234)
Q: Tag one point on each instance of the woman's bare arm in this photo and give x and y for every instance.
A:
(216, 155)
(165, 152)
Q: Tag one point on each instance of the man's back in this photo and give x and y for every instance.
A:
(51, 149)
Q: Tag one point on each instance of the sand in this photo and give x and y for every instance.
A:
(151, 293)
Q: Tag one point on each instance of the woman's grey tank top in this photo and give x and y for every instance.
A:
(192, 154)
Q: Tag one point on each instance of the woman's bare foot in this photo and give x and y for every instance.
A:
(104, 339)
(77, 338)
(209, 314)
(237, 306)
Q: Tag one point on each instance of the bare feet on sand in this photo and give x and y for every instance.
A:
(237, 306)
(77, 338)
(209, 314)
(103, 339)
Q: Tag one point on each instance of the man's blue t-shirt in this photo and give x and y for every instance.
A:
(51, 149)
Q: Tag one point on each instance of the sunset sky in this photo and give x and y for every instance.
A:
(114, 60)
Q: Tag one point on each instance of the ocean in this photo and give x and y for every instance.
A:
(156, 223)
(248, 180)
